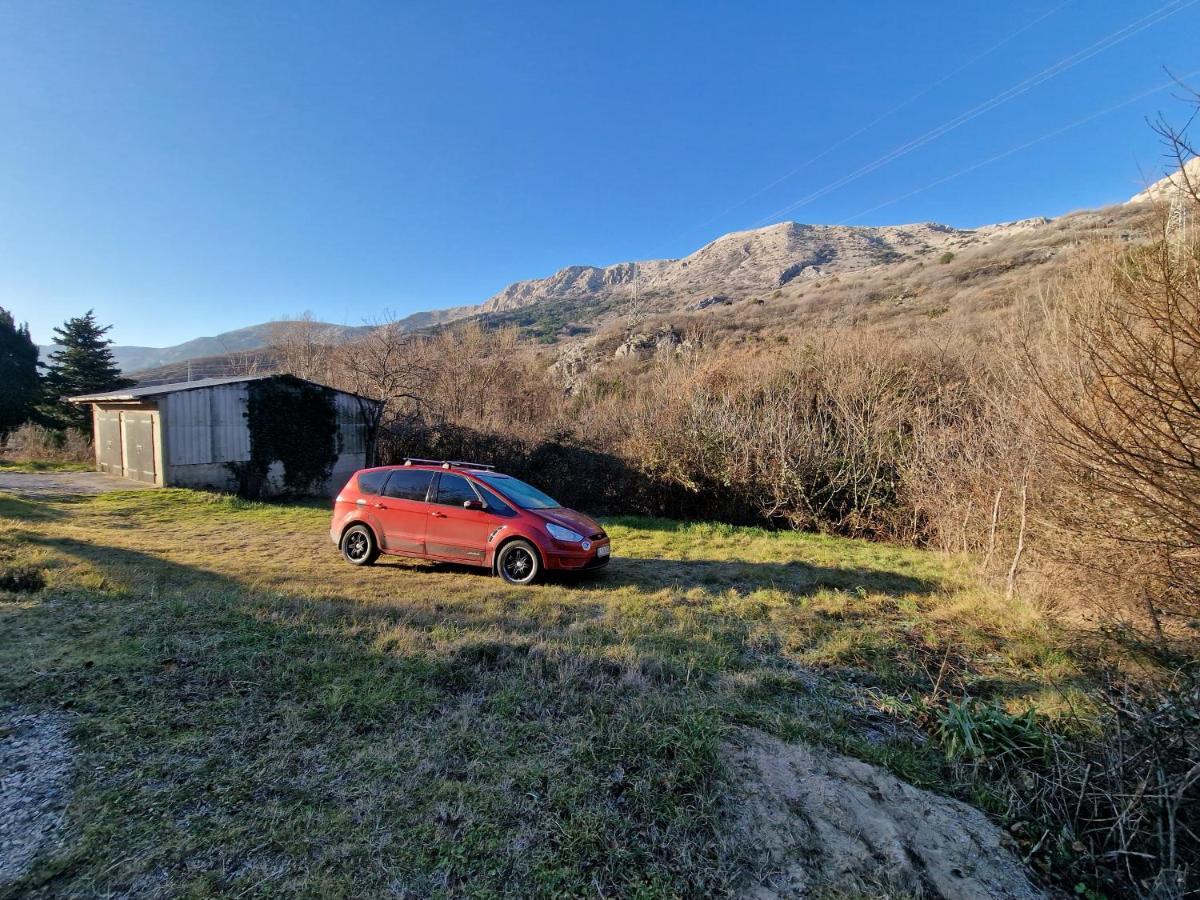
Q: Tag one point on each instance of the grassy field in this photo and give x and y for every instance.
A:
(253, 715)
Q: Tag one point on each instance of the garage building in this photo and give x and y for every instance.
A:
(189, 433)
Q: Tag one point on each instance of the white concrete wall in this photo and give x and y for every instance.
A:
(216, 476)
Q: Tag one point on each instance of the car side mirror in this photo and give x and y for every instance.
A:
(472, 504)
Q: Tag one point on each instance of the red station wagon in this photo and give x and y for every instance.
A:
(465, 513)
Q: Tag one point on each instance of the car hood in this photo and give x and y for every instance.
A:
(569, 518)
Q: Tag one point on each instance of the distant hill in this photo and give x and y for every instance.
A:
(132, 359)
(253, 337)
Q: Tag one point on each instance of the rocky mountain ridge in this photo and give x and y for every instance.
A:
(782, 267)
(735, 264)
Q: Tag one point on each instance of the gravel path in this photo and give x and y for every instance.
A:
(35, 774)
(60, 484)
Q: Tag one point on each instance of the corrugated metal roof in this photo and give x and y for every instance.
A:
(157, 390)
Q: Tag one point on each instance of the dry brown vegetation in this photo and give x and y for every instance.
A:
(33, 447)
(1049, 428)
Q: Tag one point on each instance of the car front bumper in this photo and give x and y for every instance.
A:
(558, 559)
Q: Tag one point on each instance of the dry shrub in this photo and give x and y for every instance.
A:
(1116, 368)
(1113, 804)
(825, 436)
(491, 380)
(31, 441)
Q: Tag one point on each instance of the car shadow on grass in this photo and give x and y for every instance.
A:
(720, 576)
(710, 576)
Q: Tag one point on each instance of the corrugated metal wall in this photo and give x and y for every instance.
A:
(351, 426)
(227, 412)
(207, 425)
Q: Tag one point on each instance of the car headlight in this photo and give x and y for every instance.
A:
(562, 534)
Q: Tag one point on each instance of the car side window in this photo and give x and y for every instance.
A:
(372, 482)
(408, 484)
(454, 490)
(495, 505)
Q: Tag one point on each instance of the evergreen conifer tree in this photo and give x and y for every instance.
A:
(83, 364)
(19, 378)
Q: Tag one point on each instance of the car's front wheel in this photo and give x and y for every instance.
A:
(359, 547)
(518, 562)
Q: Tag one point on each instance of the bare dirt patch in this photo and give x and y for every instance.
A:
(35, 774)
(53, 485)
(808, 821)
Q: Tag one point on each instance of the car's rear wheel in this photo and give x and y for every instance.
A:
(359, 547)
(518, 562)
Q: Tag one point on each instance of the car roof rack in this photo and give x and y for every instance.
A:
(447, 463)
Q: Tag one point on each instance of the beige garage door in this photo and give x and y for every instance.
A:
(108, 442)
(138, 433)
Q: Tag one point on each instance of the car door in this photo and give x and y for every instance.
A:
(403, 511)
(455, 532)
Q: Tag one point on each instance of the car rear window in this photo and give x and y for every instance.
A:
(454, 490)
(408, 484)
(372, 482)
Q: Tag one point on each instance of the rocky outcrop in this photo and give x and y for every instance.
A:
(805, 821)
(1185, 178)
(665, 339)
(36, 757)
(714, 300)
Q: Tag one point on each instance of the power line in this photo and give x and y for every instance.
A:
(1017, 149)
(1016, 90)
(879, 118)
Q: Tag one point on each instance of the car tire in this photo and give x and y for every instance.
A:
(359, 547)
(518, 562)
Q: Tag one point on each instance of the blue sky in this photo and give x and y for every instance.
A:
(188, 168)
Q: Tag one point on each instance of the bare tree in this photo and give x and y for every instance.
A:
(302, 347)
(386, 370)
(1116, 366)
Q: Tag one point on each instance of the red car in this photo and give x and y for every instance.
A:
(465, 513)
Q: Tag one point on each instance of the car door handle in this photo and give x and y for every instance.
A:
(381, 506)
(438, 515)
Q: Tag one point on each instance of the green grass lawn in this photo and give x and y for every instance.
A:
(253, 715)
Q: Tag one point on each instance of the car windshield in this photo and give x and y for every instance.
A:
(524, 495)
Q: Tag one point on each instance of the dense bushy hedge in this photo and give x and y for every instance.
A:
(578, 476)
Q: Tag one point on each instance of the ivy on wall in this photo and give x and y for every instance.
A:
(293, 422)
